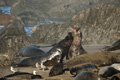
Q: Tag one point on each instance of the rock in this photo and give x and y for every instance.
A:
(100, 28)
(29, 18)
(2, 3)
(5, 18)
(11, 2)
(60, 10)
(0, 11)
(7, 2)
(49, 33)
(12, 38)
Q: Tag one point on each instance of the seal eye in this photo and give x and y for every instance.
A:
(59, 51)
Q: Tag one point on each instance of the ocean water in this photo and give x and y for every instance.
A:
(6, 9)
(28, 28)
(1, 27)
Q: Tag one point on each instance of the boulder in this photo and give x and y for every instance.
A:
(5, 18)
(60, 10)
(100, 28)
(0, 11)
(7, 2)
(11, 2)
(49, 33)
(12, 38)
(2, 3)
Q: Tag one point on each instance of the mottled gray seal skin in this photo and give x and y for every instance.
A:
(76, 48)
(107, 71)
(87, 67)
(87, 75)
(30, 51)
(31, 61)
(115, 46)
(61, 50)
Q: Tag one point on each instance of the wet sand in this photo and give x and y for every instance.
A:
(45, 74)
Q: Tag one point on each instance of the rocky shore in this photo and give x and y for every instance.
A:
(99, 23)
(60, 10)
(12, 38)
(100, 28)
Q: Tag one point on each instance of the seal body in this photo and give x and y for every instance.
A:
(114, 46)
(65, 45)
(76, 48)
(59, 51)
(107, 71)
(31, 61)
(22, 75)
(87, 67)
(56, 70)
(87, 75)
(116, 66)
(30, 51)
(115, 77)
(97, 58)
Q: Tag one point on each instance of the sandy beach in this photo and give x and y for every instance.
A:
(45, 74)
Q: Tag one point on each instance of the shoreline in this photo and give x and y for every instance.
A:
(5, 70)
